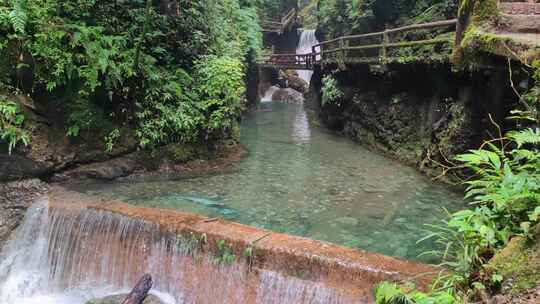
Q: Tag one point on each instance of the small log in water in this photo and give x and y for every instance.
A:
(140, 291)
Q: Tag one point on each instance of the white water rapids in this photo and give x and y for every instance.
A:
(62, 255)
(31, 269)
(305, 46)
(269, 93)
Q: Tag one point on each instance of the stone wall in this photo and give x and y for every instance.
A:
(15, 198)
(520, 8)
(421, 114)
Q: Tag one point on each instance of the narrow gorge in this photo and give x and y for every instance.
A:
(275, 151)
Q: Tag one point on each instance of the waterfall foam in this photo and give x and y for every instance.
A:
(269, 93)
(305, 45)
(72, 253)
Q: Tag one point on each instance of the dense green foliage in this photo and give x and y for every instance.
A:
(343, 17)
(331, 93)
(132, 63)
(11, 120)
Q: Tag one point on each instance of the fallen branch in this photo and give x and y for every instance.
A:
(140, 291)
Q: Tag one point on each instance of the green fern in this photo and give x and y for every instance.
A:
(11, 125)
(527, 136)
(389, 293)
(18, 16)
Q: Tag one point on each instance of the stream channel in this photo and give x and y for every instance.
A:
(299, 178)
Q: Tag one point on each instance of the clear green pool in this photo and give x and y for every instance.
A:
(301, 179)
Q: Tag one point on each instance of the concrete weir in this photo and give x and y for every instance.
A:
(268, 268)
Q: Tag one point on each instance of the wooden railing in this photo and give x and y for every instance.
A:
(271, 26)
(288, 61)
(373, 47)
(365, 48)
(279, 26)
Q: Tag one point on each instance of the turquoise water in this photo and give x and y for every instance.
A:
(301, 179)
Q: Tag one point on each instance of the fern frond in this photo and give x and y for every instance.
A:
(18, 16)
(527, 136)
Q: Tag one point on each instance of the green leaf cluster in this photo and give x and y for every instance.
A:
(346, 17)
(389, 293)
(331, 92)
(12, 132)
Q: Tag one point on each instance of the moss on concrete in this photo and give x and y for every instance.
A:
(485, 9)
(480, 10)
(478, 42)
(483, 37)
(519, 264)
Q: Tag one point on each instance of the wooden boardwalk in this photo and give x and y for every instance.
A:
(370, 48)
(279, 26)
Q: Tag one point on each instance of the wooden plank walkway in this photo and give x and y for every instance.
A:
(370, 48)
(279, 27)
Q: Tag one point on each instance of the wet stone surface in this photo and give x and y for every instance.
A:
(15, 198)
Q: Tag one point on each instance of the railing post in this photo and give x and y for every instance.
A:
(347, 44)
(341, 62)
(322, 54)
(342, 48)
(386, 41)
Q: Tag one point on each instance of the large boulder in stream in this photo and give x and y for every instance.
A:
(117, 299)
(298, 84)
(288, 95)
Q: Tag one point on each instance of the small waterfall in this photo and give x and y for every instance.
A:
(65, 254)
(269, 93)
(305, 45)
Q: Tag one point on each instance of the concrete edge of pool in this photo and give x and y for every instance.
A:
(347, 269)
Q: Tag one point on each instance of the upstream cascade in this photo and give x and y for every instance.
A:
(307, 41)
(70, 254)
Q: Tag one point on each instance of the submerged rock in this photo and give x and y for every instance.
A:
(288, 95)
(117, 299)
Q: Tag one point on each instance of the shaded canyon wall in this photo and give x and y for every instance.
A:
(421, 114)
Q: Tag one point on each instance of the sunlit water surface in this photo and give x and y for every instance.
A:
(302, 180)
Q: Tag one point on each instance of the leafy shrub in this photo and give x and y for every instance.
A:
(506, 196)
(169, 110)
(221, 89)
(11, 125)
(224, 254)
(331, 93)
(111, 139)
(388, 293)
